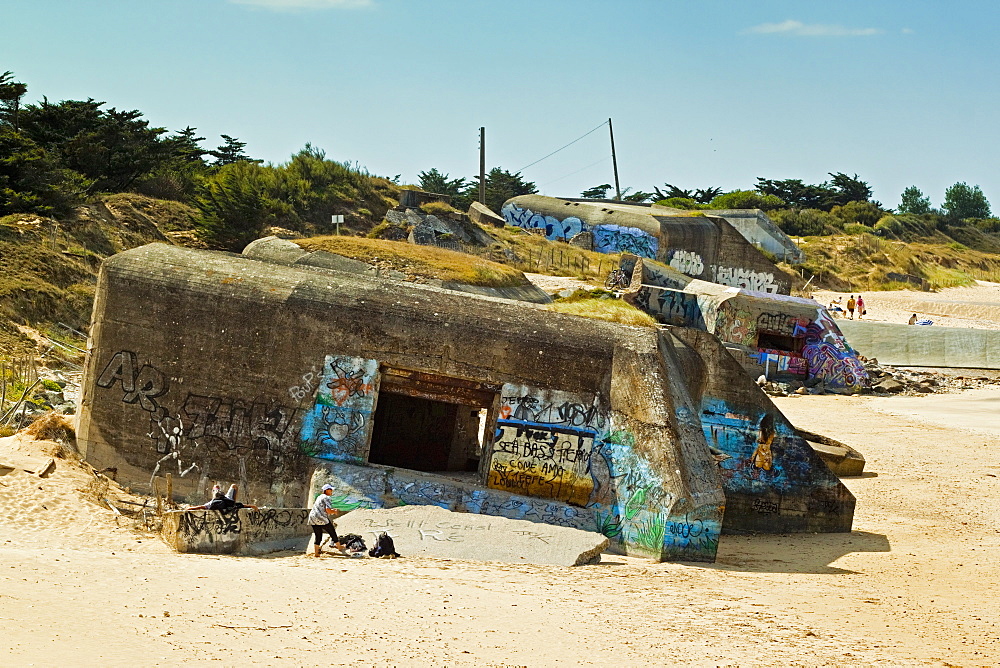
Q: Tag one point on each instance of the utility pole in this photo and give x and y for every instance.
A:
(482, 165)
(614, 162)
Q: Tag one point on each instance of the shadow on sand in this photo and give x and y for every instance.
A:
(793, 553)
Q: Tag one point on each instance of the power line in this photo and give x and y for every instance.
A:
(567, 146)
(564, 176)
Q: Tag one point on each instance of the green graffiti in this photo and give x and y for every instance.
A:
(636, 503)
(621, 437)
(341, 503)
(650, 533)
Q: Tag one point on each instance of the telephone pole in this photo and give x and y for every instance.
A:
(614, 162)
(482, 166)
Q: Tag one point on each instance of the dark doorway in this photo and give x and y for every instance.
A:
(412, 433)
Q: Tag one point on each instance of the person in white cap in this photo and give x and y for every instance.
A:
(321, 518)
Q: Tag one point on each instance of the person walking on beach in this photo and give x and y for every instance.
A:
(850, 307)
(321, 519)
(861, 307)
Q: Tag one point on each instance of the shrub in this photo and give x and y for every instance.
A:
(856, 228)
(681, 203)
(747, 199)
(437, 208)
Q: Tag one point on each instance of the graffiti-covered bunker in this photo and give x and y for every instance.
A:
(777, 336)
(695, 243)
(214, 366)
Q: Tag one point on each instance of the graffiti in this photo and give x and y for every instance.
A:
(621, 239)
(687, 262)
(736, 325)
(546, 461)
(232, 425)
(671, 307)
(829, 356)
(338, 426)
(143, 384)
(309, 380)
(566, 228)
(777, 323)
(210, 522)
(692, 533)
(270, 519)
(765, 507)
(553, 408)
(756, 281)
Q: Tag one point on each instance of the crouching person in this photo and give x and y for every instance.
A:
(321, 519)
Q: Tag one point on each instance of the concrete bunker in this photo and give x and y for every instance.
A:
(695, 243)
(218, 366)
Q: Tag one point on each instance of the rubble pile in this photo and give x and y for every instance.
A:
(888, 380)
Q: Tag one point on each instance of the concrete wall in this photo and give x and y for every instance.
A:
(220, 367)
(242, 531)
(921, 345)
(757, 228)
(774, 481)
(698, 246)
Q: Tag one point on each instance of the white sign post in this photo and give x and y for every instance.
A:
(337, 220)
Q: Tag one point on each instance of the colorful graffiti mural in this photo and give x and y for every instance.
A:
(338, 425)
(621, 239)
(829, 356)
(562, 446)
(555, 229)
(776, 362)
(736, 325)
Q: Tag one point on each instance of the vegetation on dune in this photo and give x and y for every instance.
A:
(419, 261)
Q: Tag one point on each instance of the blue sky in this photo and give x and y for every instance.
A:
(702, 93)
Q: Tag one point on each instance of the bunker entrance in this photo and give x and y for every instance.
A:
(431, 423)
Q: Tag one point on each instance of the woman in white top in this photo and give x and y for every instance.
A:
(321, 518)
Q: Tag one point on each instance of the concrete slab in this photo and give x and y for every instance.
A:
(435, 532)
(919, 345)
(244, 531)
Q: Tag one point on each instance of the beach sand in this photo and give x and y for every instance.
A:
(915, 583)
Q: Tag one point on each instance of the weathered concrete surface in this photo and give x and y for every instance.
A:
(698, 245)
(921, 345)
(840, 458)
(774, 481)
(282, 251)
(243, 531)
(757, 228)
(481, 214)
(435, 532)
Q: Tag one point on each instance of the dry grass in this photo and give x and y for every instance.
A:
(52, 426)
(864, 262)
(420, 261)
(534, 253)
(601, 305)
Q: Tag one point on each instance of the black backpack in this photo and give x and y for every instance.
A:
(383, 547)
(354, 544)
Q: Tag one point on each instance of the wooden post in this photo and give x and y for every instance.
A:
(156, 493)
(170, 490)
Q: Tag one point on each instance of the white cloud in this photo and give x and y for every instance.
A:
(292, 5)
(907, 31)
(800, 29)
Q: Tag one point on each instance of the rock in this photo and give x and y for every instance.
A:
(889, 385)
(480, 214)
(435, 532)
(926, 389)
(802, 390)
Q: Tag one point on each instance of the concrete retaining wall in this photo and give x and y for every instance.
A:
(243, 531)
(921, 345)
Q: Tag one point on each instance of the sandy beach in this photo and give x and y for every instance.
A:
(915, 583)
